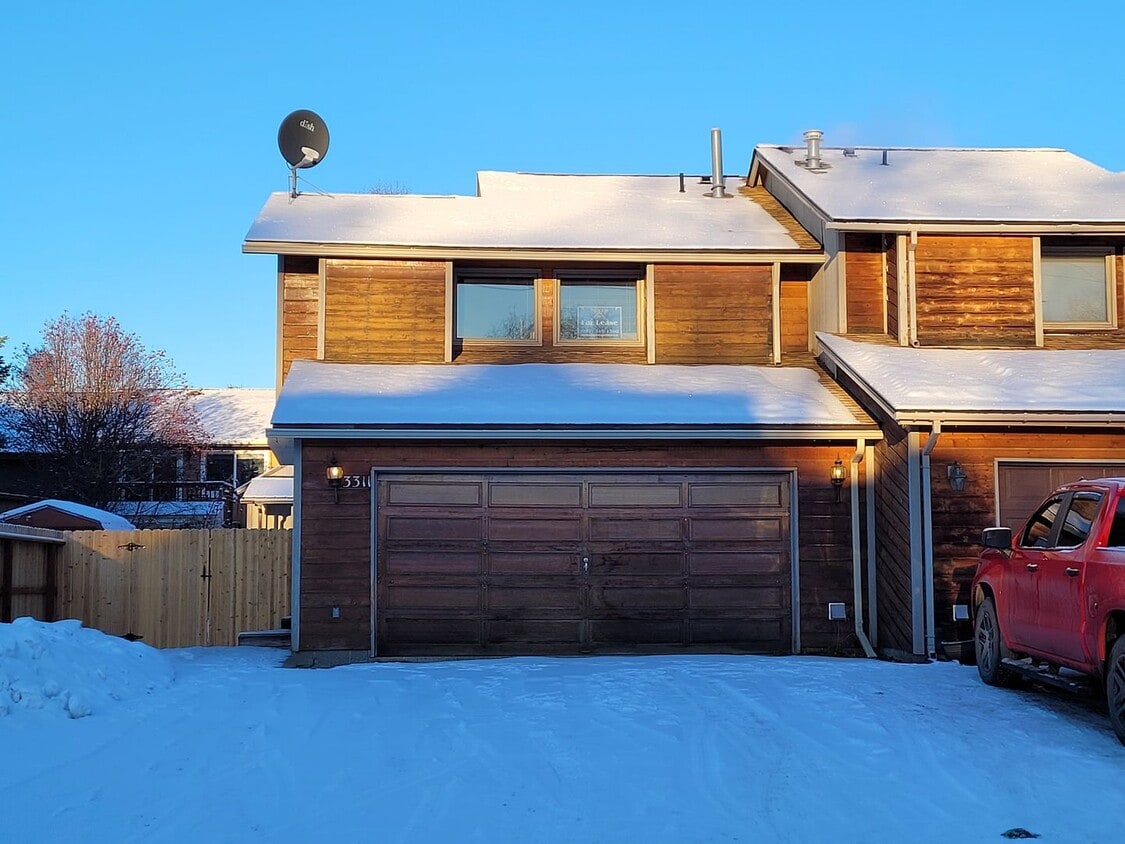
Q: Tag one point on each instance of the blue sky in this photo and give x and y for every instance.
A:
(142, 140)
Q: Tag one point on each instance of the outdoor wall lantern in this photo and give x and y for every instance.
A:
(957, 476)
(839, 475)
(335, 473)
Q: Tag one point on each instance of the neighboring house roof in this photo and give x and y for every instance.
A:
(536, 212)
(951, 185)
(107, 520)
(618, 401)
(235, 416)
(1001, 386)
(272, 487)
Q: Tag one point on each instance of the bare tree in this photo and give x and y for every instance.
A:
(392, 187)
(93, 407)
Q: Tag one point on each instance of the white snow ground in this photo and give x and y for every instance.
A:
(102, 740)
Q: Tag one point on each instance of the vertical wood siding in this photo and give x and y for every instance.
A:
(336, 546)
(892, 541)
(384, 311)
(975, 291)
(713, 314)
(893, 322)
(864, 275)
(299, 292)
(795, 307)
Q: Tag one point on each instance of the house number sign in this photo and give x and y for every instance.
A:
(356, 482)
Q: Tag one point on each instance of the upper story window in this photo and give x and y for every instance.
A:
(1078, 288)
(599, 310)
(496, 308)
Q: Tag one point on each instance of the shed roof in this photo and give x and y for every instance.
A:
(535, 211)
(952, 185)
(1006, 386)
(108, 521)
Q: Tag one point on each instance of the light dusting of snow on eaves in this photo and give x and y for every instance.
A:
(554, 394)
(987, 380)
(108, 521)
(955, 185)
(530, 211)
(235, 415)
(274, 486)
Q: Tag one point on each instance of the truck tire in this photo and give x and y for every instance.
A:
(989, 646)
(1115, 687)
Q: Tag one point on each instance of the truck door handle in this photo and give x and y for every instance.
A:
(1032, 566)
(1071, 571)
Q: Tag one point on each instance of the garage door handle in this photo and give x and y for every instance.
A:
(1071, 571)
(1032, 566)
(585, 564)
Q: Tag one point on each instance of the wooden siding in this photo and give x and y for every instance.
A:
(384, 311)
(958, 518)
(336, 537)
(863, 257)
(299, 296)
(892, 542)
(893, 316)
(713, 314)
(975, 291)
(795, 280)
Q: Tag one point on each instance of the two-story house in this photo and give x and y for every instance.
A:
(972, 300)
(560, 421)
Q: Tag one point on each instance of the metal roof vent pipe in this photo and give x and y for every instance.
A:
(812, 151)
(719, 188)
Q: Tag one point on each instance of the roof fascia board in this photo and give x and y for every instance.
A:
(444, 253)
(781, 432)
(27, 533)
(978, 227)
(825, 218)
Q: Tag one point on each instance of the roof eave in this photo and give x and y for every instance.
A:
(842, 431)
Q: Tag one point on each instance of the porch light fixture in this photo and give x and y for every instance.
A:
(957, 476)
(335, 473)
(838, 476)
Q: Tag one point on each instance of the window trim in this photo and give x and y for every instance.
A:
(500, 276)
(1109, 254)
(600, 277)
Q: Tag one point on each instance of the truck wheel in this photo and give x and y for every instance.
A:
(990, 648)
(1115, 687)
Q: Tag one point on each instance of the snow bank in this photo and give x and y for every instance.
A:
(65, 668)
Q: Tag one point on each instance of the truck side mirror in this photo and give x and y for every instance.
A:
(996, 537)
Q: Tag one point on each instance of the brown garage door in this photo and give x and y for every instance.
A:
(1022, 486)
(550, 563)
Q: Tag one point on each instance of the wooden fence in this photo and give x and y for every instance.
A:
(172, 588)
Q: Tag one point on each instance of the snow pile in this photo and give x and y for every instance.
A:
(66, 668)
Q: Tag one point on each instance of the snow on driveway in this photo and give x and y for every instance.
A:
(223, 744)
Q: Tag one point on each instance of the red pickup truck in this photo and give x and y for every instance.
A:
(1051, 600)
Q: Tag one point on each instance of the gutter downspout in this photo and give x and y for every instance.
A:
(872, 580)
(928, 540)
(911, 289)
(857, 558)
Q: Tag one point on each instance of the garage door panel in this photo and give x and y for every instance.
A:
(432, 527)
(628, 563)
(734, 597)
(535, 529)
(535, 631)
(432, 631)
(511, 494)
(657, 528)
(635, 495)
(530, 601)
(766, 635)
(639, 631)
(432, 561)
(534, 562)
(734, 562)
(427, 596)
(636, 598)
(445, 493)
(743, 494)
(738, 529)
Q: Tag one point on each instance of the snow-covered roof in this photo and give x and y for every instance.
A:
(235, 415)
(1005, 384)
(953, 185)
(108, 521)
(272, 487)
(554, 396)
(532, 211)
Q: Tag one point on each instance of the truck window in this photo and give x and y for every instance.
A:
(1037, 533)
(1079, 517)
(1117, 529)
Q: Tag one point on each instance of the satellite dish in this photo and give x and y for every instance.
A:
(303, 139)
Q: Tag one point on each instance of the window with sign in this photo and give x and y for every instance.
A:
(599, 311)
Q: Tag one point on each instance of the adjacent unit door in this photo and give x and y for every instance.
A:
(513, 562)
